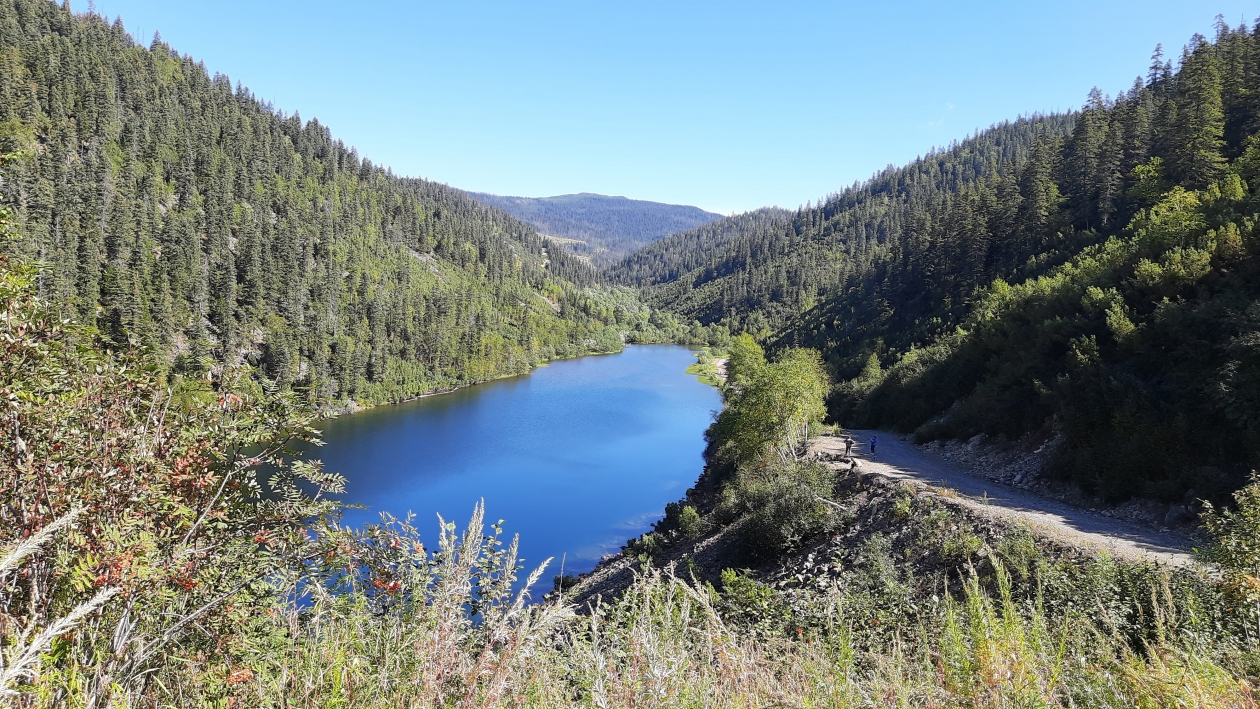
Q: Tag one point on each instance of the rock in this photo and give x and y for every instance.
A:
(1178, 514)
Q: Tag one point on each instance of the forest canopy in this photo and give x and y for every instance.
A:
(174, 210)
(1088, 277)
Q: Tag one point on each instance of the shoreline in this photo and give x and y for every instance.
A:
(349, 407)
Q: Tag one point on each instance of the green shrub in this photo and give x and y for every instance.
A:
(782, 505)
(903, 506)
(646, 547)
(751, 603)
(959, 545)
(1235, 544)
(689, 522)
(1018, 552)
(564, 582)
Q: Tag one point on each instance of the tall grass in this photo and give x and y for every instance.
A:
(393, 624)
(453, 635)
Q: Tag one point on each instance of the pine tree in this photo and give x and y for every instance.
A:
(1081, 176)
(1196, 137)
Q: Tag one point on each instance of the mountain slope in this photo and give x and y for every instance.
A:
(1091, 279)
(1132, 334)
(174, 210)
(672, 257)
(760, 271)
(606, 227)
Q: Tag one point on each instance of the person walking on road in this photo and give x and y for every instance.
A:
(848, 446)
(874, 440)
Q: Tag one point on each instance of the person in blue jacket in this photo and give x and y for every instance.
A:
(874, 440)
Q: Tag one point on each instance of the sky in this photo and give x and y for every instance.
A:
(728, 106)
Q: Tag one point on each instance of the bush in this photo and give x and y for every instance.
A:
(162, 479)
(645, 548)
(782, 505)
(689, 522)
(752, 604)
(1235, 542)
(564, 582)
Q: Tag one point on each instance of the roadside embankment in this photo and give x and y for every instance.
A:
(1068, 524)
(928, 518)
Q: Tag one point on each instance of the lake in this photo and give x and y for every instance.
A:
(576, 457)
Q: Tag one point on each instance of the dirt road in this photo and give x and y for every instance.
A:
(1082, 528)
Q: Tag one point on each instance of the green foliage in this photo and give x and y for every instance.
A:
(176, 535)
(780, 506)
(1112, 342)
(959, 546)
(771, 408)
(1148, 182)
(689, 522)
(752, 604)
(745, 360)
(1198, 116)
(705, 368)
(564, 582)
(175, 211)
(1235, 541)
(646, 548)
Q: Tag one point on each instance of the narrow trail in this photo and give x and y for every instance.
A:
(1082, 528)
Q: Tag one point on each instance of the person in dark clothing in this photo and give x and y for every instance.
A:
(874, 440)
(848, 446)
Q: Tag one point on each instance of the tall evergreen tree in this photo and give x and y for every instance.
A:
(1198, 129)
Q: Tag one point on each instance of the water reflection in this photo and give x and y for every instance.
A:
(577, 456)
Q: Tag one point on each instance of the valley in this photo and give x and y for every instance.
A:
(242, 366)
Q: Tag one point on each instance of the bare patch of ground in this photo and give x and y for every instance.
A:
(1088, 529)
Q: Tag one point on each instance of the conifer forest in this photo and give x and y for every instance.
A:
(1062, 310)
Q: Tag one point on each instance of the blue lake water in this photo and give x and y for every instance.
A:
(577, 456)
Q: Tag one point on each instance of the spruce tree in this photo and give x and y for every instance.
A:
(1196, 137)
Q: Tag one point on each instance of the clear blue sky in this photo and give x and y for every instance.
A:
(725, 105)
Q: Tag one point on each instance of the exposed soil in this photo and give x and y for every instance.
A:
(1021, 464)
(870, 489)
(1085, 528)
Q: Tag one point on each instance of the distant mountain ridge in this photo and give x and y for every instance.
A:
(602, 228)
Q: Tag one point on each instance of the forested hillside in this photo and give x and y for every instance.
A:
(1090, 274)
(760, 271)
(1141, 346)
(177, 211)
(600, 227)
(669, 259)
